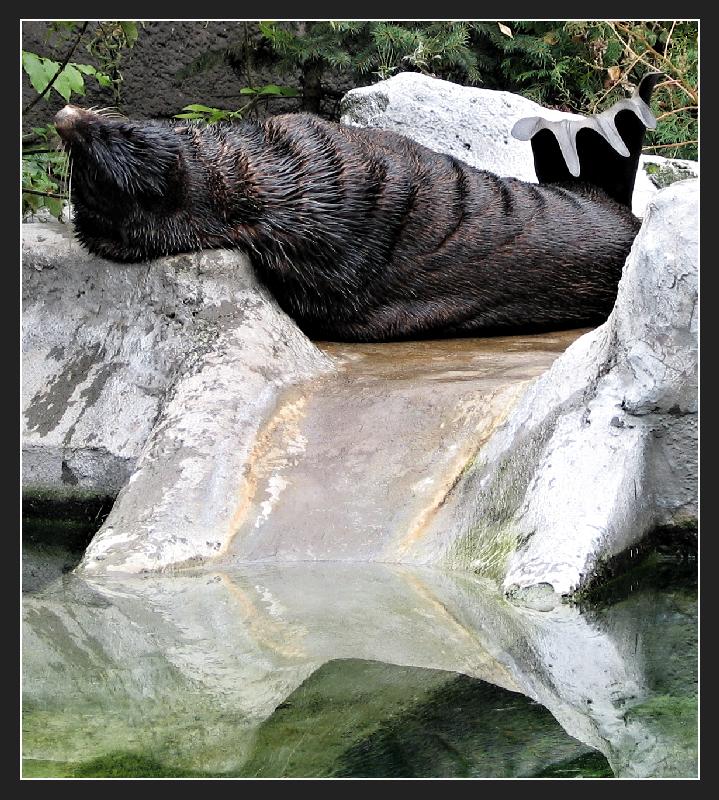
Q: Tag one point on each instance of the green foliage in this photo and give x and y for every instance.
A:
(212, 115)
(586, 66)
(44, 164)
(108, 44)
(575, 66)
(44, 173)
(381, 48)
(65, 81)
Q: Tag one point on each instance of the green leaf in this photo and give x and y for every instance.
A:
(271, 88)
(50, 67)
(130, 31)
(86, 69)
(34, 66)
(248, 90)
(74, 79)
(268, 29)
(62, 86)
(54, 206)
(103, 80)
(198, 107)
(285, 91)
(188, 116)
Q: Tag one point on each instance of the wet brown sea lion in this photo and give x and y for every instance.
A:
(363, 234)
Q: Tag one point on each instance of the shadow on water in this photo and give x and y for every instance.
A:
(55, 533)
(338, 670)
(436, 724)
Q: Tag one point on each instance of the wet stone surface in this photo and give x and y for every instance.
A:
(353, 466)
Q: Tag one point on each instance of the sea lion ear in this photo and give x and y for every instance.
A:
(602, 150)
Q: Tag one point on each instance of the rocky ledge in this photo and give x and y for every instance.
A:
(169, 382)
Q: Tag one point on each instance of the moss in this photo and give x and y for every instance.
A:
(120, 764)
(675, 716)
(488, 543)
(588, 765)
(665, 706)
(127, 765)
(662, 176)
(490, 551)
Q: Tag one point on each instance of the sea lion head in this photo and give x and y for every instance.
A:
(130, 185)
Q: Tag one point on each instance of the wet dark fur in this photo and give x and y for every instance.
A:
(361, 234)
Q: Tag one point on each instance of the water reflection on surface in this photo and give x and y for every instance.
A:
(305, 670)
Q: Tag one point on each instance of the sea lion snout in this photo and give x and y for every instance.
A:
(66, 119)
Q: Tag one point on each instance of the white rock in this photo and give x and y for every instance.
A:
(471, 124)
(104, 343)
(603, 447)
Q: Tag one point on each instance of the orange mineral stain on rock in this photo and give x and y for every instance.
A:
(279, 441)
(498, 407)
(277, 635)
(355, 465)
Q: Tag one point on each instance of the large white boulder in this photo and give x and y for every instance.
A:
(103, 345)
(602, 448)
(471, 124)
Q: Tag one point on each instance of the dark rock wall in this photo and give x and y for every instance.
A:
(161, 76)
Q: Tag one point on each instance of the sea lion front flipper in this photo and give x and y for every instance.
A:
(602, 150)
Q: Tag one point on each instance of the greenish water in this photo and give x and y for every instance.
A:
(333, 670)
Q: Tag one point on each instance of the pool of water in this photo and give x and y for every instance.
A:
(339, 670)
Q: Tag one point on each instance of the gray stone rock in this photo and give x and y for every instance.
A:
(603, 447)
(471, 124)
(475, 126)
(104, 343)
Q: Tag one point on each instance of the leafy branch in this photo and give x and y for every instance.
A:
(44, 163)
(661, 59)
(212, 115)
(60, 69)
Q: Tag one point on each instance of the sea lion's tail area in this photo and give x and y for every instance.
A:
(602, 150)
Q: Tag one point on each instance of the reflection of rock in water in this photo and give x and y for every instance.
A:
(652, 613)
(199, 673)
(366, 719)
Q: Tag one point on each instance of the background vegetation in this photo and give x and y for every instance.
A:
(575, 66)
